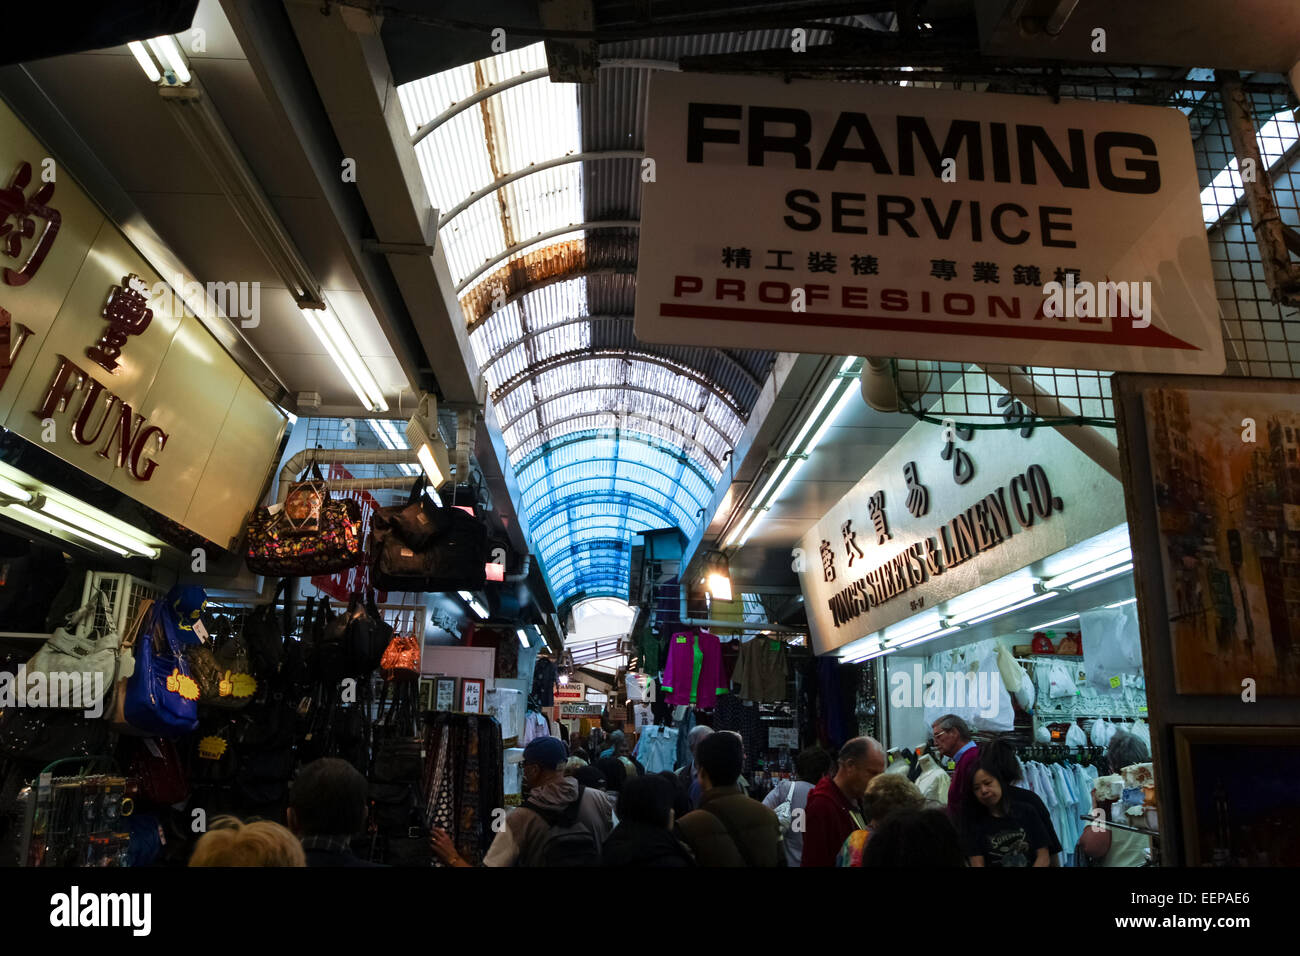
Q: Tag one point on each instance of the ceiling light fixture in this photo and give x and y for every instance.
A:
(474, 604)
(717, 573)
(1131, 600)
(523, 638)
(145, 60)
(1047, 624)
(165, 49)
(1098, 578)
(70, 516)
(15, 491)
(325, 323)
(1009, 608)
(835, 398)
(1089, 568)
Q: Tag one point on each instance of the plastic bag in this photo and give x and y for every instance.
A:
(1112, 649)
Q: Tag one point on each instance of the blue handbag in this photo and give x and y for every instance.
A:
(162, 698)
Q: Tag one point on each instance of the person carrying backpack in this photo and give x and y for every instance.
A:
(561, 823)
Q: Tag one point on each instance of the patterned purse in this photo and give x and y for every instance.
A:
(310, 534)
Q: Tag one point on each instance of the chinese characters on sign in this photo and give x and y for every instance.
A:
(17, 214)
(963, 467)
(128, 314)
(981, 527)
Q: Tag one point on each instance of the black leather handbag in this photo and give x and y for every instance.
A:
(421, 547)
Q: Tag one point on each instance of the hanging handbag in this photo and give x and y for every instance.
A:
(401, 660)
(83, 654)
(221, 669)
(157, 766)
(264, 632)
(370, 642)
(310, 533)
(161, 696)
(334, 654)
(421, 547)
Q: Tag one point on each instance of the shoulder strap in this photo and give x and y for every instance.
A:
(568, 816)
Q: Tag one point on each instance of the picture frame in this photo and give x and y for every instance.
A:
(472, 694)
(446, 693)
(427, 690)
(1210, 517)
(1237, 788)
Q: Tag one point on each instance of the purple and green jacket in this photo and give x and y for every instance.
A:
(693, 674)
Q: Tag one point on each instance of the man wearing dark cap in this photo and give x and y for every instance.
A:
(551, 827)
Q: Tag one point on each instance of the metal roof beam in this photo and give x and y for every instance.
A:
(542, 237)
(529, 170)
(672, 502)
(575, 438)
(528, 336)
(602, 428)
(551, 472)
(626, 355)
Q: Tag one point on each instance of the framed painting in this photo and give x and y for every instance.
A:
(1239, 793)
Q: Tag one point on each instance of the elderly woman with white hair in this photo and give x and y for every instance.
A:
(1110, 846)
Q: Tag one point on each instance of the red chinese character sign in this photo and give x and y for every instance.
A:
(128, 314)
(845, 219)
(19, 216)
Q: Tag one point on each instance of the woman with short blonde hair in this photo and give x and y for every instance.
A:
(231, 842)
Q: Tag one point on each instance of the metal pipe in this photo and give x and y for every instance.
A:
(1083, 437)
(1280, 274)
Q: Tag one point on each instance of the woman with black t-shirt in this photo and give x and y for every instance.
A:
(1000, 831)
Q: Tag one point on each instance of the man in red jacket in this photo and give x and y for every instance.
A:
(834, 808)
(952, 737)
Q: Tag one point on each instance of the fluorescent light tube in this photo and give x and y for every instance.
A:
(943, 632)
(172, 55)
(849, 393)
(1131, 600)
(1091, 567)
(99, 529)
(334, 337)
(474, 604)
(1047, 624)
(1104, 576)
(1007, 610)
(994, 600)
(11, 490)
(523, 638)
(146, 62)
(30, 516)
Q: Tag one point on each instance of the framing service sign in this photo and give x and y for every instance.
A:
(852, 219)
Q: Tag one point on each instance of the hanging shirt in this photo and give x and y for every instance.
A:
(693, 674)
(535, 726)
(640, 687)
(761, 670)
(657, 749)
(643, 716)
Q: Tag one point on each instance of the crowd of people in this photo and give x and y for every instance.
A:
(837, 811)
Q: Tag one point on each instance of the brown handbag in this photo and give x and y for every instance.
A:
(311, 533)
(116, 714)
(401, 659)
